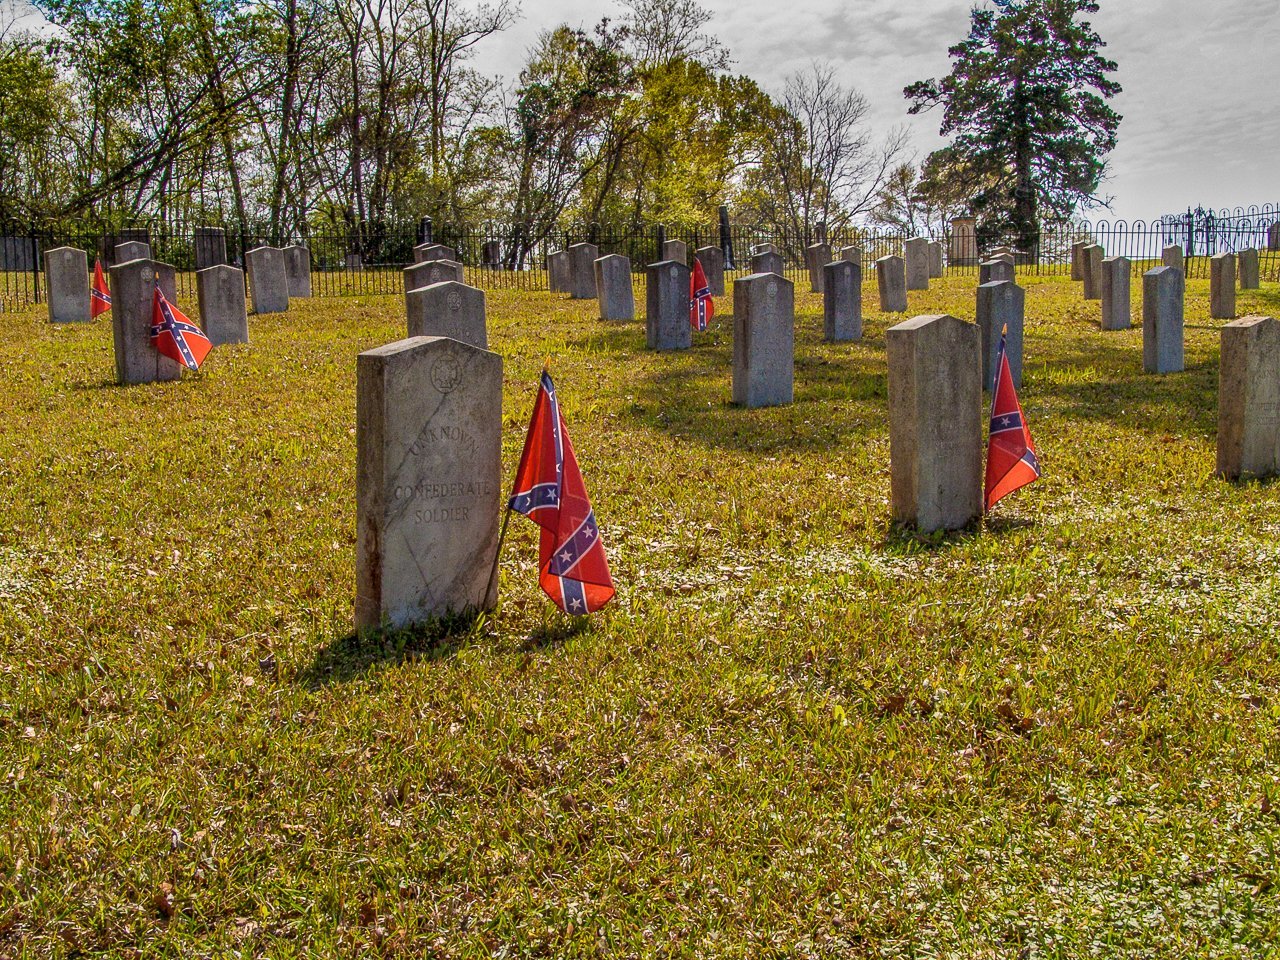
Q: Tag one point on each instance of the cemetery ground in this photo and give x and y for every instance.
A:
(797, 731)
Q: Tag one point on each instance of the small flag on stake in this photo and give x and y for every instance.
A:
(99, 292)
(701, 307)
(173, 335)
(1011, 455)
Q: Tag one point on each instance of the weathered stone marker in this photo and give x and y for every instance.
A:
(132, 250)
(994, 271)
(765, 248)
(842, 301)
(891, 281)
(1171, 256)
(448, 309)
(935, 422)
(666, 320)
(428, 479)
(1222, 286)
(1117, 310)
(558, 271)
(582, 271)
(211, 247)
(937, 268)
(676, 250)
(133, 287)
(491, 255)
(1001, 304)
(712, 260)
(1091, 264)
(963, 251)
(916, 256)
(817, 257)
(1249, 399)
(220, 294)
(763, 340)
(766, 261)
(1250, 274)
(297, 270)
(66, 284)
(1077, 259)
(1273, 236)
(426, 252)
(268, 281)
(1162, 320)
(427, 272)
(613, 288)
(852, 254)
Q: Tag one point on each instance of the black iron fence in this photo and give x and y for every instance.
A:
(347, 261)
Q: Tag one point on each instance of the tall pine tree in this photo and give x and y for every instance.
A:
(1025, 105)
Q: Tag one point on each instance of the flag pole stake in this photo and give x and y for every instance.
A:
(497, 554)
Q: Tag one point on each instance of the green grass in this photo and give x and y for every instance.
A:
(797, 732)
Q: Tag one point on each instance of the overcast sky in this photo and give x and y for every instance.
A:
(1201, 78)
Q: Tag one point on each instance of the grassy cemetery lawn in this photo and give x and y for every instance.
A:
(796, 732)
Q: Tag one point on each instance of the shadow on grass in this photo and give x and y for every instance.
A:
(353, 655)
(548, 636)
(905, 540)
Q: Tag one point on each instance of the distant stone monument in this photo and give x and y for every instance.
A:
(582, 271)
(935, 422)
(817, 257)
(1249, 399)
(426, 252)
(1162, 320)
(133, 285)
(558, 271)
(132, 250)
(211, 247)
(842, 301)
(891, 281)
(1091, 264)
(268, 281)
(1114, 290)
(666, 321)
(220, 295)
(1171, 256)
(66, 281)
(427, 272)
(1222, 286)
(916, 257)
(428, 480)
(766, 261)
(613, 288)
(964, 242)
(297, 269)
(852, 254)
(712, 260)
(763, 340)
(937, 268)
(1001, 304)
(448, 309)
(1077, 259)
(994, 271)
(676, 250)
(1250, 274)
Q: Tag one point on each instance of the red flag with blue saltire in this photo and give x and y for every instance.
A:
(1011, 455)
(99, 292)
(701, 307)
(173, 335)
(572, 567)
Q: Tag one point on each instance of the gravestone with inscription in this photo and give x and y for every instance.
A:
(1091, 265)
(916, 257)
(66, 284)
(427, 272)
(448, 309)
(935, 422)
(133, 287)
(1116, 298)
(220, 295)
(1001, 305)
(132, 250)
(1250, 274)
(297, 270)
(676, 250)
(582, 271)
(817, 256)
(1162, 320)
(891, 279)
(666, 320)
(1249, 399)
(613, 288)
(712, 260)
(211, 247)
(842, 301)
(1222, 286)
(428, 480)
(764, 323)
(426, 252)
(766, 261)
(268, 281)
(558, 271)
(1172, 256)
(994, 271)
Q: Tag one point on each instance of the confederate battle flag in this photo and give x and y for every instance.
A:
(701, 307)
(99, 293)
(1011, 456)
(173, 335)
(548, 489)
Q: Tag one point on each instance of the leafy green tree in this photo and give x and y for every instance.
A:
(1025, 104)
(35, 118)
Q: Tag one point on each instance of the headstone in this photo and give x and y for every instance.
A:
(211, 247)
(963, 251)
(765, 248)
(428, 480)
(1172, 257)
(133, 287)
(491, 254)
(676, 250)
(18, 254)
(135, 234)
(66, 284)
(132, 250)
(842, 301)
(666, 320)
(1162, 320)
(426, 252)
(763, 340)
(1077, 259)
(220, 294)
(917, 263)
(766, 261)
(1273, 236)
(1091, 263)
(852, 254)
(297, 269)
(995, 271)
(448, 309)
(268, 282)
(1249, 399)
(558, 271)
(1250, 275)
(891, 279)
(1116, 299)
(817, 257)
(582, 271)
(937, 268)
(613, 288)
(1004, 253)
(1002, 305)
(712, 260)
(427, 272)
(935, 422)
(1222, 286)
(353, 261)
